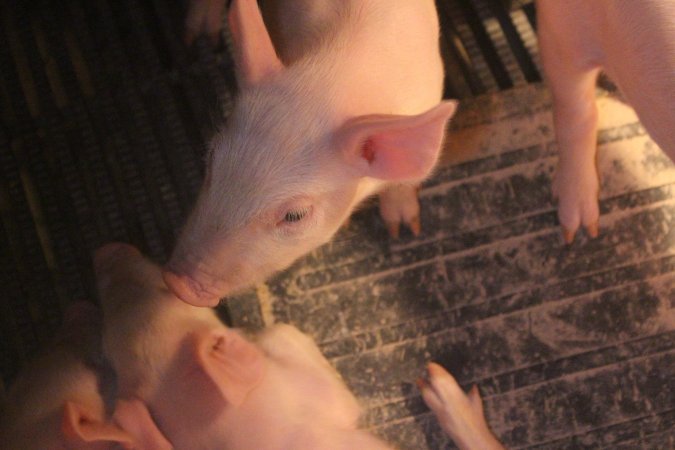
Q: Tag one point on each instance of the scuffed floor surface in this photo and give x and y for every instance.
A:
(571, 346)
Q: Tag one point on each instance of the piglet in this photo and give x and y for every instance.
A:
(58, 401)
(344, 104)
(206, 386)
(634, 42)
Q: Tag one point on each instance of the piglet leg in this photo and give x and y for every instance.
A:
(399, 204)
(571, 74)
(576, 182)
(460, 415)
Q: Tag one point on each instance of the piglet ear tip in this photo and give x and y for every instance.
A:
(255, 55)
(176, 284)
(80, 425)
(188, 289)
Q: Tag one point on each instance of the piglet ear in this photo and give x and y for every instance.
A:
(255, 56)
(81, 426)
(133, 416)
(234, 364)
(395, 148)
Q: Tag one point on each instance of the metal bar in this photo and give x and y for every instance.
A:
(515, 42)
(490, 52)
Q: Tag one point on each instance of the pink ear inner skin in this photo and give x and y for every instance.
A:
(398, 148)
(234, 364)
(368, 152)
(133, 416)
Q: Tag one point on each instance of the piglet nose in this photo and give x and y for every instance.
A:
(188, 289)
(105, 256)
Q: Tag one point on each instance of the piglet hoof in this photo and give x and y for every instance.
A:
(399, 204)
(576, 187)
(415, 225)
(460, 415)
(204, 17)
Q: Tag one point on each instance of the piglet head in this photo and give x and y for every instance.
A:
(193, 370)
(287, 170)
(272, 195)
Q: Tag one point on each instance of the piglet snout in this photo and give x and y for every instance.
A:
(188, 289)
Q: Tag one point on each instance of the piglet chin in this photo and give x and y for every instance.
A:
(188, 289)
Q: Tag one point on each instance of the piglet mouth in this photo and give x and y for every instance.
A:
(188, 288)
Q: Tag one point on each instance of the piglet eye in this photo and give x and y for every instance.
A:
(295, 215)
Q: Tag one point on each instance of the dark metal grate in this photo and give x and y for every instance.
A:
(486, 47)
